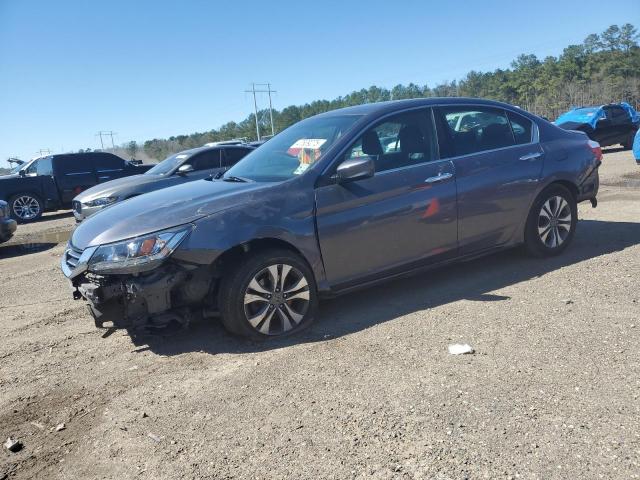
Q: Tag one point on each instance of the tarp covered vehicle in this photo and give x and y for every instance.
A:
(612, 124)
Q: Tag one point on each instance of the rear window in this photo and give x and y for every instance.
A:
(476, 129)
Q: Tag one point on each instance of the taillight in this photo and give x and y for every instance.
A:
(596, 149)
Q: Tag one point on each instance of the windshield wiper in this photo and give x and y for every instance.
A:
(231, 178)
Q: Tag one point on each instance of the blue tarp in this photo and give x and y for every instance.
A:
(589, 115)
(636, 147)
(635, 117)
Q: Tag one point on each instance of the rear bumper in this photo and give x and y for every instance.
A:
(588, 188)
(7, 228)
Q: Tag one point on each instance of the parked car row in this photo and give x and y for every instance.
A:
(336, 202)
(186, 166)
(51, 182)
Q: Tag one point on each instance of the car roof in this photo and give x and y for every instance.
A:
(192, 151)
(393, 105)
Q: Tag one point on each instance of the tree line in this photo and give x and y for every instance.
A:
(604, 68)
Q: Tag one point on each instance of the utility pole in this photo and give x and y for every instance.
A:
(109, 133)
(270, 109)
(255, 108)
(255, 105)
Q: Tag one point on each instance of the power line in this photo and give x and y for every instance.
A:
(255, 104)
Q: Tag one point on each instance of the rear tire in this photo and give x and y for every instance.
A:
(270, 294)
(551, 223)
(628, 143)
(26, 207)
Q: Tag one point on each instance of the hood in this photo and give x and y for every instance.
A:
(118, 187)
(10, 175)
(162, 209)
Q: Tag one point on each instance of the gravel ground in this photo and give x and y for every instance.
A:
(368, 392)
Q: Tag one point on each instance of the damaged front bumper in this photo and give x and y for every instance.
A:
(169, 294)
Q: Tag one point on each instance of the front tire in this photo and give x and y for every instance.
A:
(26, 207)
(270, 294)
(551, 223)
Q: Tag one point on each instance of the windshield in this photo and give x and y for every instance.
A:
(17, 168)
(22, 166)
(168, 164)
(293, 151)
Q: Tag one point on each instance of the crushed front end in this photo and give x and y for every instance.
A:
(126, 291)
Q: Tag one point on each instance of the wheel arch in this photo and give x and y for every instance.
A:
(227, 259)
(568, 184)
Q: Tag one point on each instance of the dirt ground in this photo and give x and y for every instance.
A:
(369, 391)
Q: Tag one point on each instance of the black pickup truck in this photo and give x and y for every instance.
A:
(50, 183)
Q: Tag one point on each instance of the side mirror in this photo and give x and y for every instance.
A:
(22, 173)
(184, 169)
(355, 169)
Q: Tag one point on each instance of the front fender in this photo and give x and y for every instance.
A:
(286, 215)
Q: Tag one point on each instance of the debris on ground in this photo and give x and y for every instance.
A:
(60, 427)
(460, 348)
(155, 438)
(38, 425)
(13, 445)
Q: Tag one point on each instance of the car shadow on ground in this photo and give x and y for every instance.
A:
(56, 216)
(351, 313)
(20, 249)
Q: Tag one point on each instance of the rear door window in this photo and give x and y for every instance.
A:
(104, 162)
(522, 128)
(399, 141)
(475, 129)
(233, 155)
(74, 165)
(206, 160)
(619, 116)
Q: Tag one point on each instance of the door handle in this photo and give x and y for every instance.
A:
(530, 156)
(439, 178)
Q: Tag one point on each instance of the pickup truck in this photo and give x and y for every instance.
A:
(50, 183)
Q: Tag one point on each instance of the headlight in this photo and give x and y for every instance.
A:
(137, 254)
(101, 202)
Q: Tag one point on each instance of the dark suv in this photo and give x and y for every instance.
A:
(608, 125)
(50, 183)
(336, 202)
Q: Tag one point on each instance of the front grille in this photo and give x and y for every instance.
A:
(77, 206)
(72, 256)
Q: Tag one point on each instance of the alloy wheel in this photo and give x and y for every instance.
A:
(26, 207)
(554, 221)
(276, 299)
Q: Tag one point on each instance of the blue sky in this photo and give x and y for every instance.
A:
(145, 69)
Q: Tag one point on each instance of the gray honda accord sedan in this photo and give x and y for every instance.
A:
(336, 202)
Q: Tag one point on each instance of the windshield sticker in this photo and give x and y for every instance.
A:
(312, 143)
(301, 168)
